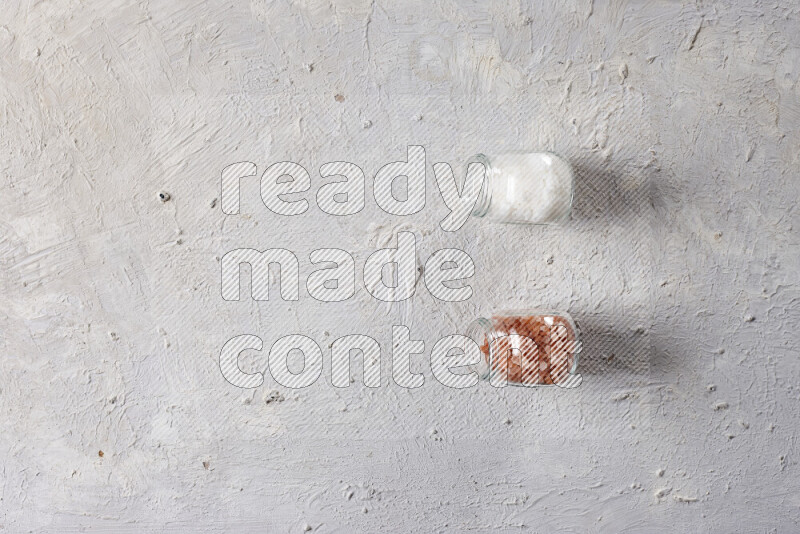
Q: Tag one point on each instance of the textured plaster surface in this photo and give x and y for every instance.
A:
(681, 264)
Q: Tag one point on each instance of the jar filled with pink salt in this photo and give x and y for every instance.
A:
(527, 348)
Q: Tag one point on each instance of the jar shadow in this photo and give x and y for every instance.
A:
(602, 192)
(613, 348)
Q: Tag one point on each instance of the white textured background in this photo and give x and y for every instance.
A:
(681, 262)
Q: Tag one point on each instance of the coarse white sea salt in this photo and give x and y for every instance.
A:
(531, 188)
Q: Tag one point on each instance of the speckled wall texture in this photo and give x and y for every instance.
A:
(680, 263)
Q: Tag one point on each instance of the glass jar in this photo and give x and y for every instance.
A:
(525, 188)
(527, 348)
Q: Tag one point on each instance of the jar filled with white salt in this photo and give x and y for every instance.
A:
(525, 188)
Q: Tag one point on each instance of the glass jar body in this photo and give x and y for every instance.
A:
(527, 347)
(525, 188)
